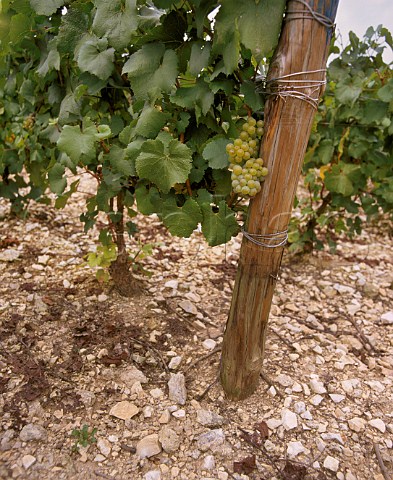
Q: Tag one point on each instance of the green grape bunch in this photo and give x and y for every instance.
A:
(247, 167)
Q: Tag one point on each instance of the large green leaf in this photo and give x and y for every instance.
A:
(78, 145)
(349, 89)
(260, 26)
(181, 221)
(46, 7)
(57, 181)
(218, 227)
(152, 71)
(199, 59)
(74, 24)
(95, 58)
(198, 97)
(20, 25)
(148, 199)
(386, 92)
(117, 157)
(251, 97)
(342, 177)
(164, 164)
(150, 122)
(117, 20)
(49, 61)
(215, 154)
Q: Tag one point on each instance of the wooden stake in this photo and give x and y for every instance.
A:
(303, 47)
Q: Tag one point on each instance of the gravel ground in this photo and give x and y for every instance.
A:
(142, 372)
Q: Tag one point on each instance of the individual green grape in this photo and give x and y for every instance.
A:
(245, 190)
(251, 130)
(246, 155)
(237, 142)
(229, 147)
(264, 171)
(252, 143)
(259, 131)
(237, 170)
(260, 124)
(243, 182)
(253, 172)
(244, 135)
(249, 163)
(251, 121)
(253, 192)
(259, 161)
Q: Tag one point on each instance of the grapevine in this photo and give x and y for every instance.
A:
(247, 167)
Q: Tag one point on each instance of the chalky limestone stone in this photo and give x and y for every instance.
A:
(124, 410)
(32, 432)
(177, 388)
(169, 439)
(148, 446)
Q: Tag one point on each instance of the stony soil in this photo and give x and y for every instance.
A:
(75, 353)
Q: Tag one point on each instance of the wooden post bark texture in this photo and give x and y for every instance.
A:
(303, 47)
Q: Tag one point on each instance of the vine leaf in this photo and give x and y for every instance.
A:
(199, 59)
(46, 7)
(150, 122)
(198, 97)
(260, 25)
(93, 57)
(118, 159)
(341, 178)
(50, 61)
(117, 20)
(78, 145)
(181, 221)
(74, 24)
(57, 181)
(164, 163)
(152, 71)
(215, 154)
(218, 227)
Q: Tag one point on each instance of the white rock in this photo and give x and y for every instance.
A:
(209, 344)
(99, 458)
(152, 475)
(317, 386)
(350, 476)
(336, 397)
(284, 380)
(124, 410)
(169, 439)
(175, 362)
(131, 375)
(66, 283)
(171, 284)
(188, 307)
(148, 411)
(294, 449)
(387, 318)
(273, 423)
(209, 418)
(43, 259)
(333, 436)
(102, 297)
(148, 446)
(316, 400)
(164, 417)
(32, 432)
(208, 463)
(104, 446)
(321, 445)
(272, 391)
(179, 413)
(378, 424)
(28, 461)
(9, 255)
(331, 463)
(177, 388)
(356, 424)
(289, 419)
(211, 440)
(299, 407)
(156, 393)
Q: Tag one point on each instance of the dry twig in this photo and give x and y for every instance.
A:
(384, 470)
